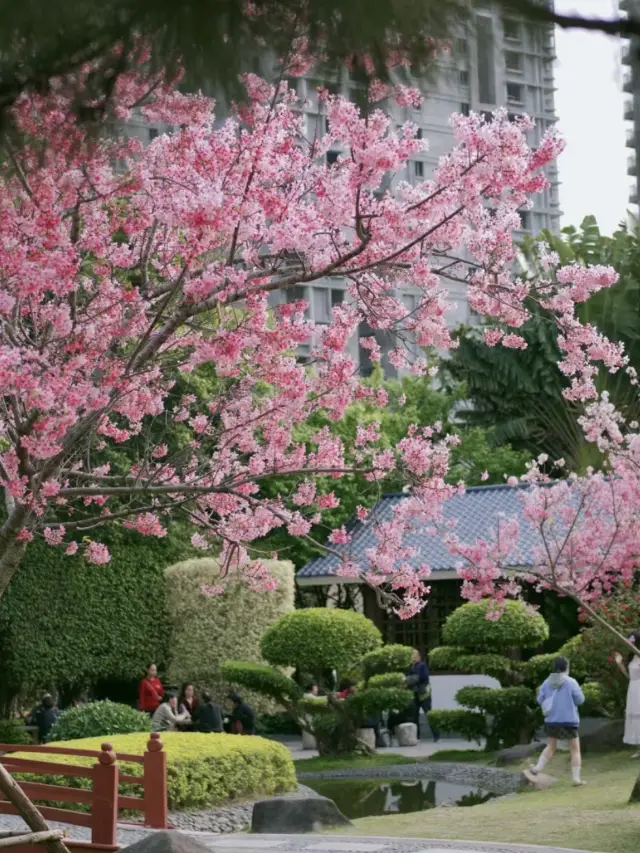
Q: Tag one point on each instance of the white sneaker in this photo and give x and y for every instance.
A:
(578, 784)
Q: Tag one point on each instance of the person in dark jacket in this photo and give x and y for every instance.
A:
(243, 717)
(209, 715)
(417, 680)
(44, 716)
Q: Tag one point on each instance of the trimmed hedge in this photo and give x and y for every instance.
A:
(98, 719)
(207, 631)
(261, 678)
(14, 731)
(390, 658)
(317, 639)
(519, 626)
(203, 770)
(66, 625)
(389, 679)
(468, 724)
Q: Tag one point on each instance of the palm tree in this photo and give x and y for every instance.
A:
(520, 393)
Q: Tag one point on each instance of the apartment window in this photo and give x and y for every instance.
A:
(419, 133)
(487, 115)
(409, 301)
(321, 304)
(515, 93)
(525, 220)
(463, 76)
(418, 168)
(297, 294)
(513, 61)
(465, 108)
(462, 46)
(486, 60)
(512, 29)
(337, 297)
(332, 157)
(326, 125)
(153, 132)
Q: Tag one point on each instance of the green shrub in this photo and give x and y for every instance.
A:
(467, 724)
(207, 631)
(595, 700)
(514, 711)
(317, 639)
(519, 626)
(98, 719)
(538, 668)
(270, 725)
(203, 770)
(573, 650)
(445, 658)
(388, 679)
(14, 731)
(261, 678)
(391, 658)
(373, 700)
(86, 623)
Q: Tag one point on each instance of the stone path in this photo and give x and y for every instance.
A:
(424, 749)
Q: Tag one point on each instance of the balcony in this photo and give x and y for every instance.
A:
(628, 83)
(631, 139)
(632, 166)
(629, 111)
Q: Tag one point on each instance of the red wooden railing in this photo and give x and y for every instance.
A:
(104, 797)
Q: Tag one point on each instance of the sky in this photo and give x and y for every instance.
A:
(589, 106)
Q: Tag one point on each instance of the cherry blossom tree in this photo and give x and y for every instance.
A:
(125, 267)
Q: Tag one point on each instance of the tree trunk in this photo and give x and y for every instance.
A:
(27, 811)
(11, 551)
(635, 794)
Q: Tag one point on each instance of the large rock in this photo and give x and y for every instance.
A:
(518, 753)
(168, 842)
(603, 736)
(308, 740)
(407, 734)
(282, 816)
(538, 781)
(368, 737)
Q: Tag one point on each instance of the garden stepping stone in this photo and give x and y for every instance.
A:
(539, 781)
(168, 841)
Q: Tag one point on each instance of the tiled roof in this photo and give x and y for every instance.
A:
(476, 511)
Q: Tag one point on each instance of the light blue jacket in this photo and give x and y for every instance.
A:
(567, 696)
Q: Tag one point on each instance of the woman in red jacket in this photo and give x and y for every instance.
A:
(150, 690)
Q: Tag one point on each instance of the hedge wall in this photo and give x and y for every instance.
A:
(68, 625)
(206, 632)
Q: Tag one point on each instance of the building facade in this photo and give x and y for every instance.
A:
(496, 61)
(631, 87)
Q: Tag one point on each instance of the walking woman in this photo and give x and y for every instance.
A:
(632, 716)
(560, 697)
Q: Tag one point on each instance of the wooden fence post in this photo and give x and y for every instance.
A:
(104, 824)
(155, 783)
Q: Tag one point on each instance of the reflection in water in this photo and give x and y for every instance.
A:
(368, 797)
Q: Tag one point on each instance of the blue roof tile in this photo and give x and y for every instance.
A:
(476, 511)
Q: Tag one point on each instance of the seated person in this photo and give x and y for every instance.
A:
(243, 717)
(166, 717)
(209, 714)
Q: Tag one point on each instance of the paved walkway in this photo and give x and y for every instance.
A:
(244, 843)
(424, 749)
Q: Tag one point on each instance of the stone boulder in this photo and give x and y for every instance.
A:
(283, 816)
(538, 781)
(168, 842)
(368, 737)
(602, 735)
(308, 740)
(407, 734)
(518, 753)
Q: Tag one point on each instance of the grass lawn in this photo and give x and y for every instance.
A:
(596, 817)
(316, 765)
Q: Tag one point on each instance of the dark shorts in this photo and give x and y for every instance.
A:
(560, 731)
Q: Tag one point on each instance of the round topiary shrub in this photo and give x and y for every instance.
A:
(519, 626)
(14, 731)
(98, 719)
(317, 639)
(390, 658)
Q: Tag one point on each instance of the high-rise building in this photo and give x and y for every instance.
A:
(495, 61)
(631, 88)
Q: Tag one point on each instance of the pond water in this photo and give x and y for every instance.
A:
(369, 797)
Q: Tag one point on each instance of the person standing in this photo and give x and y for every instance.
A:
(150, 691)
(632, 714)
(44, 716)
(560, 697)
(209, 715)
(418, 681)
